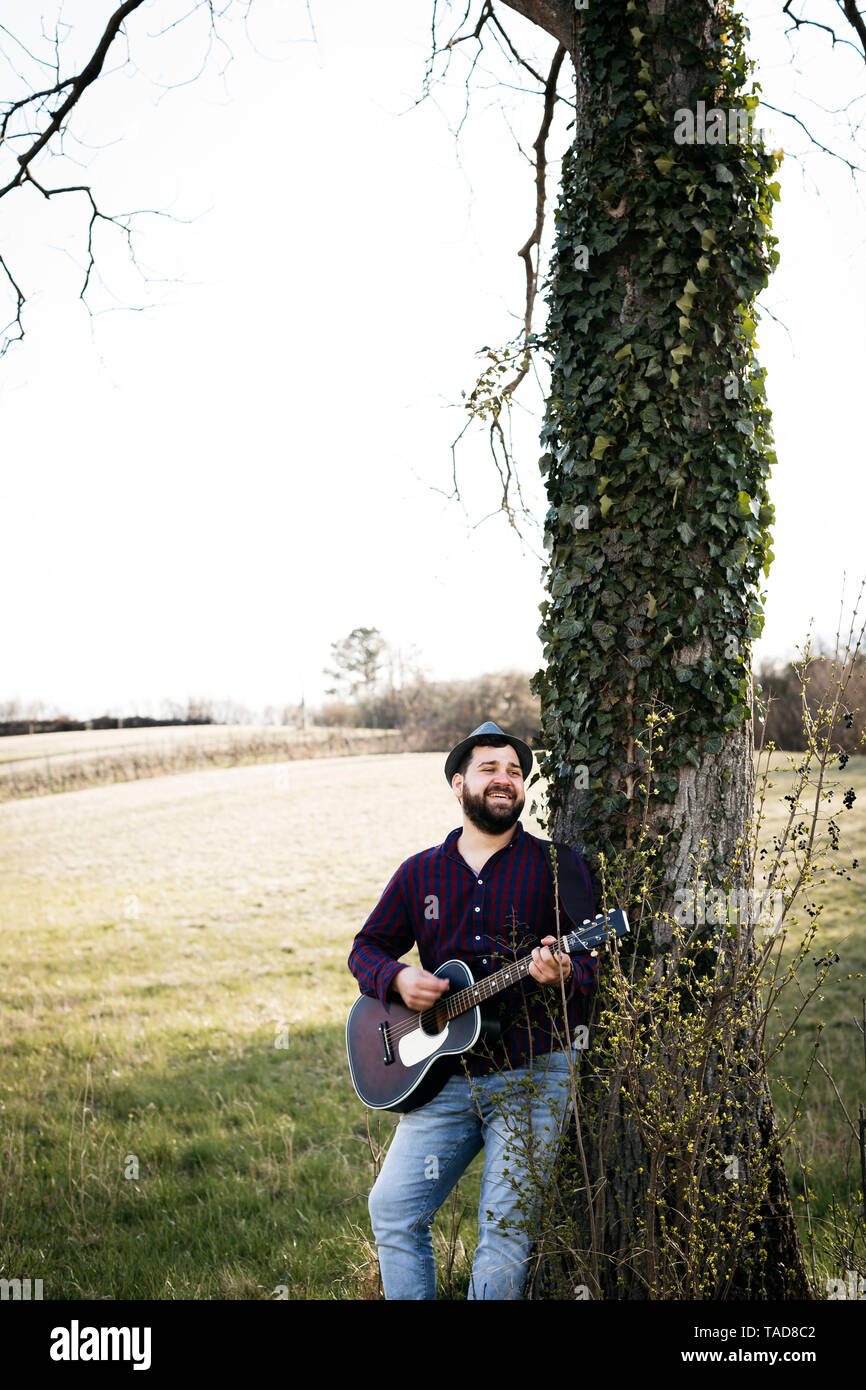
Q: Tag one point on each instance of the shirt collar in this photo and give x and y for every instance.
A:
(449, 844)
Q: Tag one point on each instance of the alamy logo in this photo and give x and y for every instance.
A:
(852, 1286)
(20, 1289)
(76, 1343)
(746, 906)
(714, 127)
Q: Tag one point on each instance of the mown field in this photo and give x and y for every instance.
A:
(176, 1119)
(42, 764)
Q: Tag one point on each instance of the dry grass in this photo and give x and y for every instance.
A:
(39, 764)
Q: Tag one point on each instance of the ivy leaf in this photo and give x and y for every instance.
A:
(723, 174)
(604, 505)
(602, 442)
(664, 163)
(603, 633)
(703, 264)
(708, 238)
(687, 535)
(625, 351)
(652, 607)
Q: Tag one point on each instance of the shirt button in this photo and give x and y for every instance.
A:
(481, 880)
(484, 962)
(478, 938)
(478, 909)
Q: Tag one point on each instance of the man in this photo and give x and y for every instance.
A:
(472, 898)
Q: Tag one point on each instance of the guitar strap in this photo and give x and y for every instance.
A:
(572, 889)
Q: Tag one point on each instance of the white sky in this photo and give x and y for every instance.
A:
(199, 498)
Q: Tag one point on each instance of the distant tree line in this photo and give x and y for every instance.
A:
(377, 686)
(780, 690)
(63, 725)
(35, 718)
(437, 714)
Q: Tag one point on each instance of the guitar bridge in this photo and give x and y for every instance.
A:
(387, 1050)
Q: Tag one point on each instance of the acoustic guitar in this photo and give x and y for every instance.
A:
(400, 1059)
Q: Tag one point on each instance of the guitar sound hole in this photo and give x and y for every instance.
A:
(434, 1020)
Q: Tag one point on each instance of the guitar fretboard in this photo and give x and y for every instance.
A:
(592, 933)
(482, 990)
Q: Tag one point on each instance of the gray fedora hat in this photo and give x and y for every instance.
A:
(481, 735)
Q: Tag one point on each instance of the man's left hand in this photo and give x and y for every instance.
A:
(546, 968)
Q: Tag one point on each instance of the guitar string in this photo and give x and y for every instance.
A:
(482, 990)
(519, 968)
(464, 995)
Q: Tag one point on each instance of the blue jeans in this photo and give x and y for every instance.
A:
(516, 1117)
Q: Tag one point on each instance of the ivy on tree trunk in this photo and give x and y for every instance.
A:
(657, 453)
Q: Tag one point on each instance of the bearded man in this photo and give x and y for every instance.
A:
(470, 899)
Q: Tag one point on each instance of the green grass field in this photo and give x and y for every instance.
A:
(176, 1118)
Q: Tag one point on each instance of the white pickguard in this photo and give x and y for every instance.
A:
(414, 1047)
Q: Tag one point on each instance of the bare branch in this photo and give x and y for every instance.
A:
(855, 19)
(557, 17)
(47, 110)
(855, 168)
(78, 85)
(17, 322)
(849, 10)
(95, 216)
(534, 239)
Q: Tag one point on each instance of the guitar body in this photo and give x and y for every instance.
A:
(395, 1063)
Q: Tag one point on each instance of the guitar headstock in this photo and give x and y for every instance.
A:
(597, 930)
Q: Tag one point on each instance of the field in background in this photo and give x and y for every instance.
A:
(176, 1118)
(38, 764)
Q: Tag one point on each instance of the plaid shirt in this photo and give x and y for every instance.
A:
(437, 902)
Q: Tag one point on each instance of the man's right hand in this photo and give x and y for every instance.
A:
(418, 989)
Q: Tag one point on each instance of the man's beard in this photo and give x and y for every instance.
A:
(493, 817)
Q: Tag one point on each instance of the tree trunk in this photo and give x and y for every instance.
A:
(657, 454)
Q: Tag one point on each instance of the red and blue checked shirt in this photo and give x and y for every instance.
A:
(437, 902)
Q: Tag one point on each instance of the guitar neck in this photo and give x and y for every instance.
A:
(482, 990)
(585, 938)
